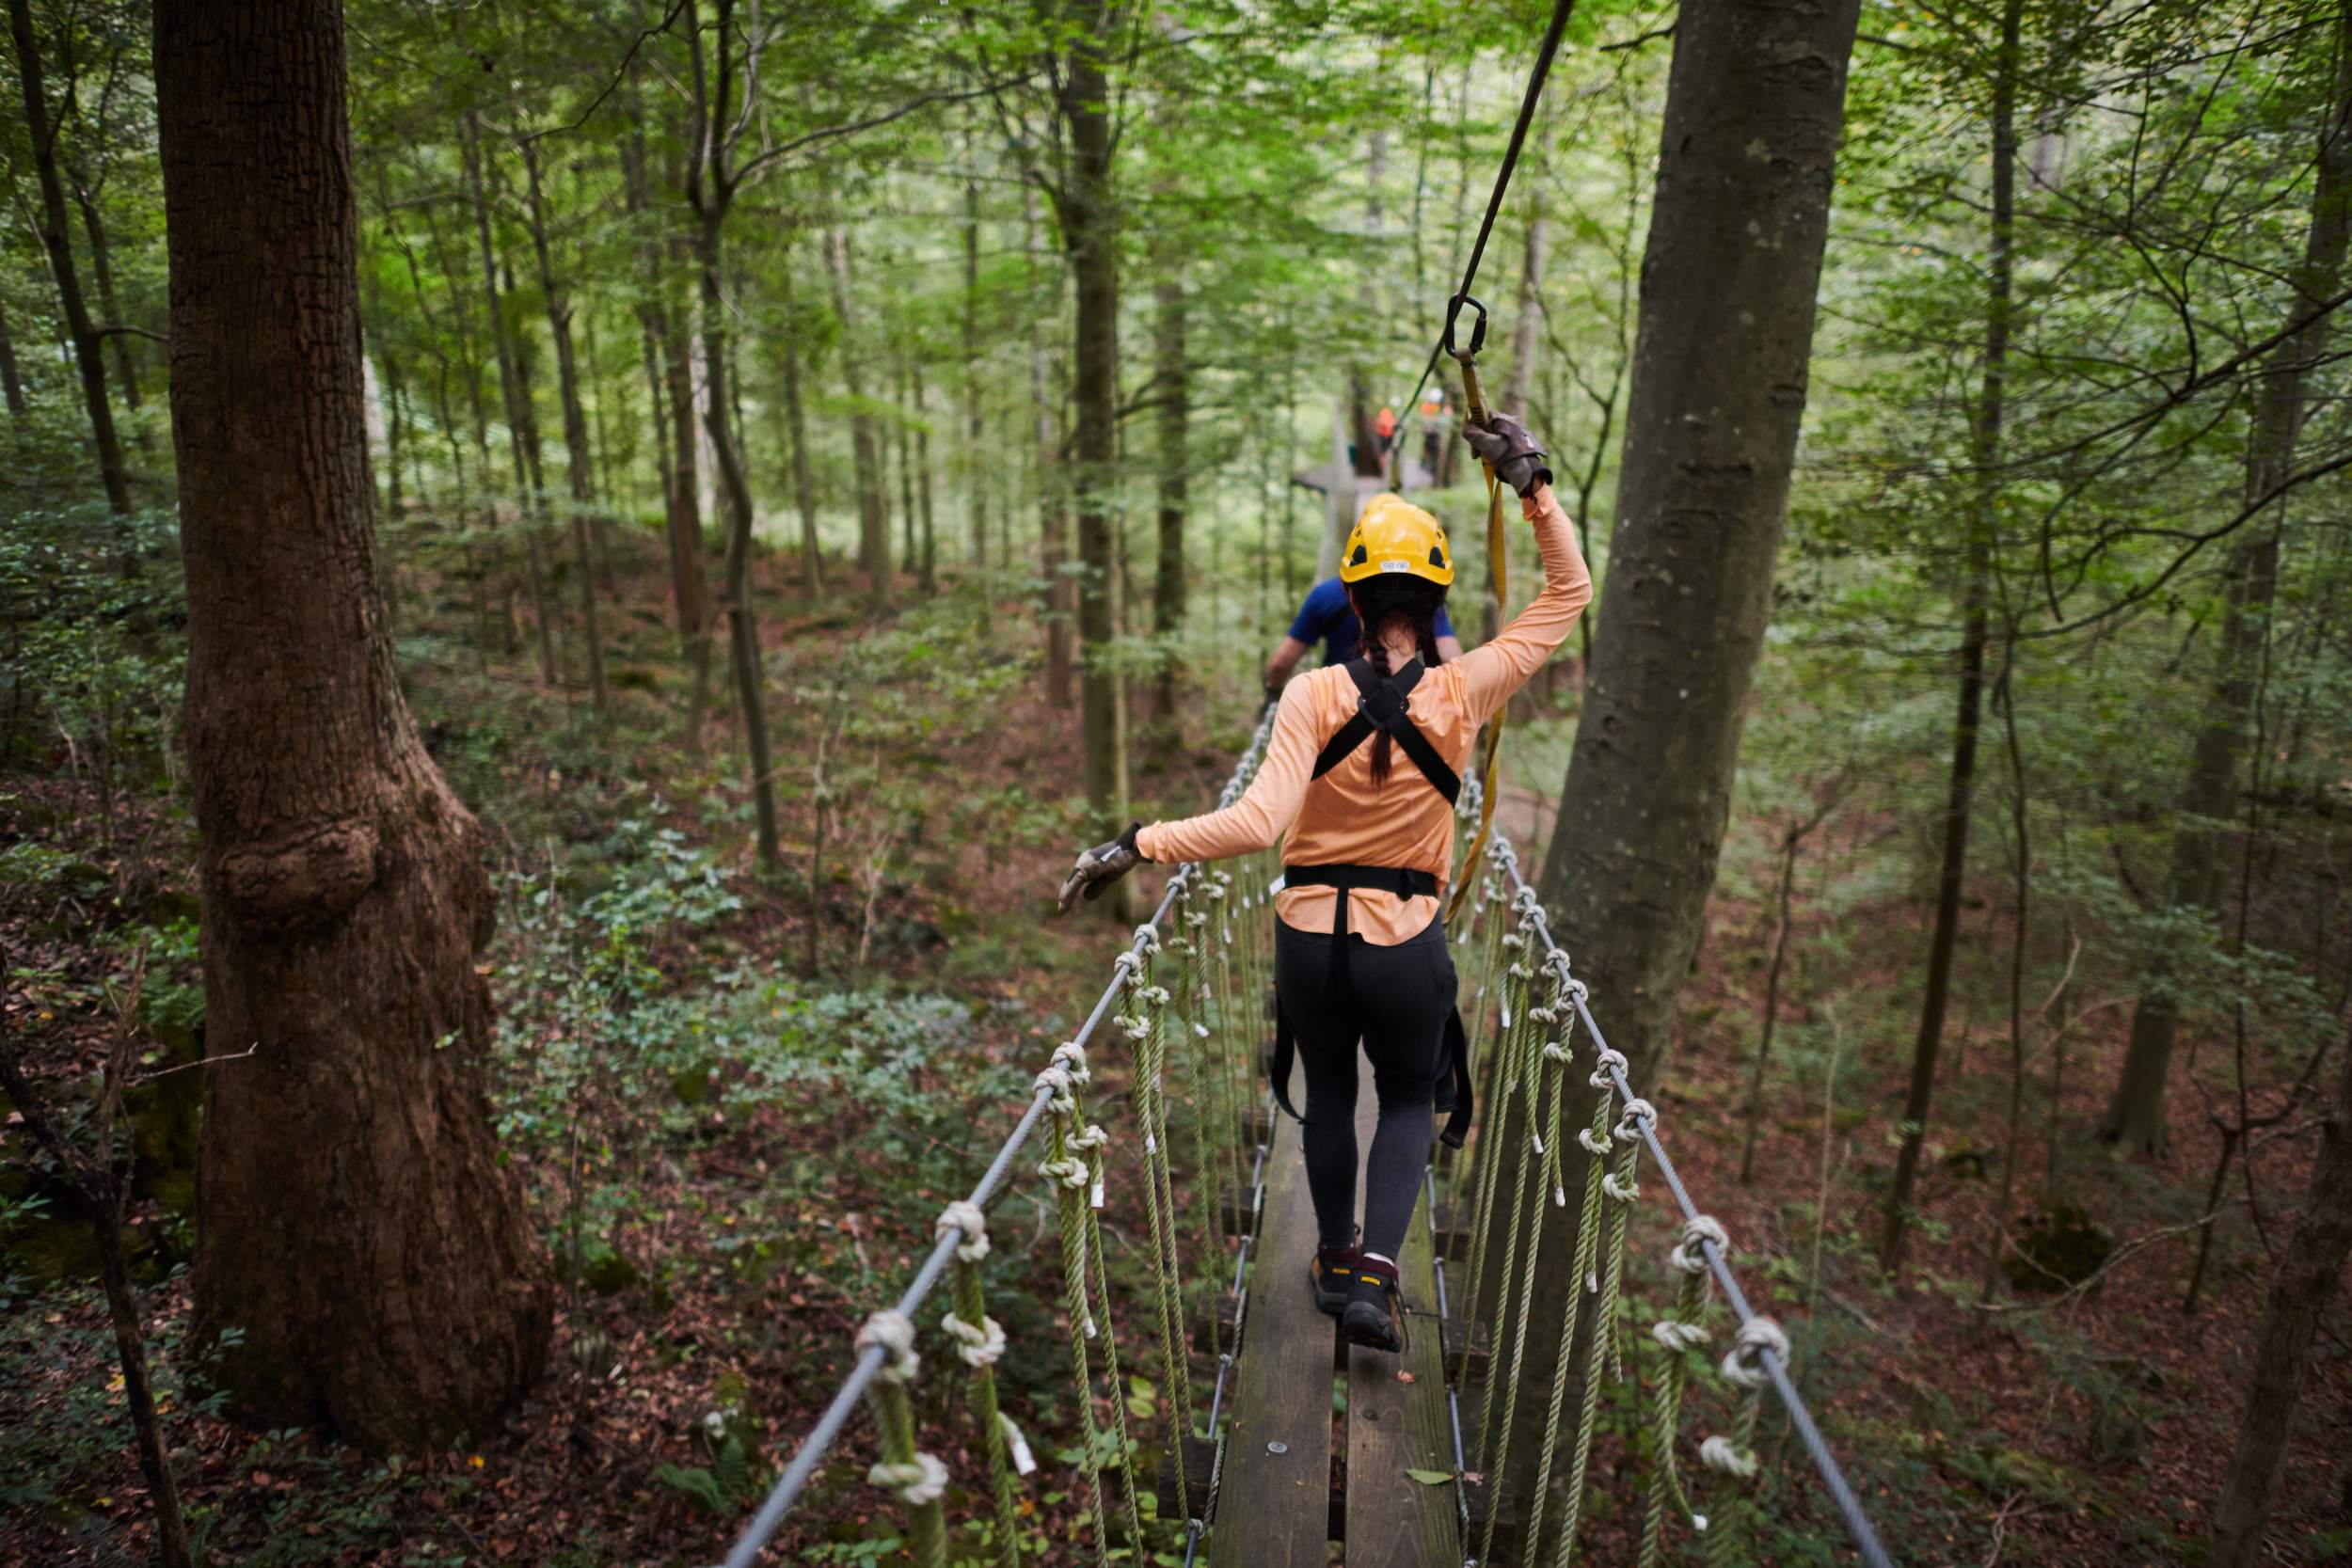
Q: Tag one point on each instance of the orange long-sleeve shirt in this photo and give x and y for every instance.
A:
(1344, 819)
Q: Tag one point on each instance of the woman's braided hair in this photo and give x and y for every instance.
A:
(1381, 602)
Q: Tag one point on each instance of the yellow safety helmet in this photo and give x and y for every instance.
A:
(1395, 535)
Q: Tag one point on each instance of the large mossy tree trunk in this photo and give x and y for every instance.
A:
(1746, 165)
(2135, 1117)
(356, 1225)
(1745, 169)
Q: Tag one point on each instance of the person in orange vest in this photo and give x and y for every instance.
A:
(1384, 426)
(1367, 844)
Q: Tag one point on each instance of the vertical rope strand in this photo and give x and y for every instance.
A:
(980, 1343)
(918, 1479)
(1678, 1336)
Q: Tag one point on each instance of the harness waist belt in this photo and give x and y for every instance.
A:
(1406, 882)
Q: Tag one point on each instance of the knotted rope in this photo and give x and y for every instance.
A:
(919, 1479)
(981, 1343)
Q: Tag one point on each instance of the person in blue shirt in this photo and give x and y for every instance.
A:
(1325, 617)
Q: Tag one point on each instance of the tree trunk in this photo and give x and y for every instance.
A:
(751, 689)
(2309, 1272)
(1053, 527)
(1747, 154)
(929, 565)
(1960, 789)
(102, 268)
(357, 1225)
(873, 504)
(2135, 1116)
(1747, 150)
(1089, 230)
(977, 444)
(87, 346)
(578, 461)
(803, 487)
(908, 555)
(9, 378)
(1172, 376)
(510, 397)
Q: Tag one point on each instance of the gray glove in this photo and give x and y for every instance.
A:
(1516, 456)
(1102, 865)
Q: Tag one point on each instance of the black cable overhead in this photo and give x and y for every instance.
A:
(1544, 53)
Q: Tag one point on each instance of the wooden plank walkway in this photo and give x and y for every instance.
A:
(1277, 1505)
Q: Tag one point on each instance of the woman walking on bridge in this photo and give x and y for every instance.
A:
(1360, 951)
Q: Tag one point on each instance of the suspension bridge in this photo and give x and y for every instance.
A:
(1281, 1446)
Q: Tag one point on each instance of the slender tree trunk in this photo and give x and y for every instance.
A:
(87, 347)
(1060, 601)
(930, 564)
(1172, 375)
(974, 456)
(102, 268)
(751, 686)
(10, 379)
(1089, 230)
(360, 1228)
(909, 557)
(2311, 1271)
(2135, 1116)
(803, 487)
(1959, 788)
(579, 462)
(873, 505)
(511, 397)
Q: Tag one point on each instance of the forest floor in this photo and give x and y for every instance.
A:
(737, 1141)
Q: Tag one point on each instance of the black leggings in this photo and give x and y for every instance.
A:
(1396, 1000)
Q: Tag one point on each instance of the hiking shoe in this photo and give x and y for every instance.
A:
(1333, 1273)
(1375, 1314)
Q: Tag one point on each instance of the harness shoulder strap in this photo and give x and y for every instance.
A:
(1381, 705)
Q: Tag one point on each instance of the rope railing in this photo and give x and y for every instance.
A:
(1530, 1075)
(1209, 922)
(884, 1352)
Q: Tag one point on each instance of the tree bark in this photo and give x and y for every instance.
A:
(751, 689)
(927, 567)
(1173, 375)
(10, 379)
(976, 443)
(803, 485)
(873, 502)
(511, 399)
(87, 346)
(1089, 232)
(1061, 597)
(102, 268)
(2135, 1116)
(2310, 1273)
(1747, 150)
(1747, 154)
(1961, 784)
(356, 1223)
(579, 460)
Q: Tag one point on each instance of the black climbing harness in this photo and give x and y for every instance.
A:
(1380, 704)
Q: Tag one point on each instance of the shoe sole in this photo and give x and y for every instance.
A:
(1373, 1332)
